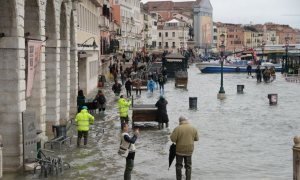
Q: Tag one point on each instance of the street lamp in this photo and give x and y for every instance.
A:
(262, 49)
(287, 46)
(221, 94)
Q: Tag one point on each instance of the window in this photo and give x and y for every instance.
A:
(215, 38)
(166, 34)
(166, 44)
(173, 44)
(155, 23)
(159, 34)
(173, 34)
(159, 43)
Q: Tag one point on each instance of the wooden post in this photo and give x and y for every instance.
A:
(296, 158)
(1, 159)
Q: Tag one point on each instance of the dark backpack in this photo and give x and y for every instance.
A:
(101, 99)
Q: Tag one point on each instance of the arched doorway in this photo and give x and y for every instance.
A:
(52, 68)
(73, 67)
(64, 66)
(32, 31)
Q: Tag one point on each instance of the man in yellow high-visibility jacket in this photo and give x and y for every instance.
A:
(123, 109)
(83, 119)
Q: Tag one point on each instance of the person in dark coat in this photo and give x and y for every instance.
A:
(162, 115)
(258, 74)
(249, 69)
(80, 100)
(128, 87)
(116, 88)
(101, 101)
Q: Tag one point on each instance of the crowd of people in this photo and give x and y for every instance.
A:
(134, 76)
(266, 73)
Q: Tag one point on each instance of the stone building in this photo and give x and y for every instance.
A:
(283, 31)
(127, 14)
(234, 36)
(172, 34)
(297, 36)
(54, 91)
(87, 34)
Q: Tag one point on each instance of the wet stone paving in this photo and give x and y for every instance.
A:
(241, 137)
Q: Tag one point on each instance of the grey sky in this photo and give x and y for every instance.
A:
(257, 11)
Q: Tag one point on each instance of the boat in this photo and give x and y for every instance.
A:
(233, 68)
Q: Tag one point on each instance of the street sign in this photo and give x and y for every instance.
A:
(29, 136)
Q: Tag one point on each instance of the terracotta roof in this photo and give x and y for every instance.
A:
(168, 5)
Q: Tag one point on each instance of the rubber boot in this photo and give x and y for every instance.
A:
(159, 126)
(85, 141)
(129, 167)
(167, 125)
(78, 141)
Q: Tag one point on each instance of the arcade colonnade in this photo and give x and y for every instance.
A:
(54, 92)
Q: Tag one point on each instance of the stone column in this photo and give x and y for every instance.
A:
(296, 158)
(1, 164)
(73, 80)
(52, 84)
(64, 81)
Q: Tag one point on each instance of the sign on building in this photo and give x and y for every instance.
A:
(29, 136)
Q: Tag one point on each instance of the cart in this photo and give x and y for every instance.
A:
(143, 113)
(181, 78)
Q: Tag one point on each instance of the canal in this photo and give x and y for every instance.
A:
(241, 137)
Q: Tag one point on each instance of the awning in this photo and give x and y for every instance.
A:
(84, 55)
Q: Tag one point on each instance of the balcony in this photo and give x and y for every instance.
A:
(159, 47)
(166, 47)
(139, 36)
(173, 47)
(98, 3)
(104, 23)
(181, 37)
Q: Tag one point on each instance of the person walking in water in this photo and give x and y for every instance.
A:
(151, 85)
(127, 141)
(267, 74)
(249, 69)
(138, 84)
(161, 84)
(128, 87)
(123, 109)
(117, 88)
(258, 74)
(184, 136)
(83, 119)
(101, 101)
(162, 115)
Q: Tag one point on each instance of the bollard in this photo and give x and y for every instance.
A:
(296, 158)
(240, 88)
(1, 161)
(193, 102)
(299, 72)
(272, 99)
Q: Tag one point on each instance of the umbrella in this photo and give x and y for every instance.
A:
(172, 154)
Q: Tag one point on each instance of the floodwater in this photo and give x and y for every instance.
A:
(241, 137)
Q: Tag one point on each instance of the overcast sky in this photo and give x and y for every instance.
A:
(257, 11)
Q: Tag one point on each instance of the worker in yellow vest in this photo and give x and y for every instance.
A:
(83, 119)
(123, 109)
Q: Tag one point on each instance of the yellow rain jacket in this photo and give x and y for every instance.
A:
(83, 119)
(123, 107)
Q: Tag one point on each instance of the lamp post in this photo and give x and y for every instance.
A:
(262, 49)
(221, 94)
(94, 45)
(286, 53)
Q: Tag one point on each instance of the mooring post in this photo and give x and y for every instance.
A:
(1, 161)
(296, 158)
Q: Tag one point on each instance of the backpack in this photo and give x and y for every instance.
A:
(101, 99)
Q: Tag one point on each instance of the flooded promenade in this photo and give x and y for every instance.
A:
(241, 137)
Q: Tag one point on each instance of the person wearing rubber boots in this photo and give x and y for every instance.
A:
(162, 115)
(123, 109)
(128, 141)
(184, 136)
(83, 119)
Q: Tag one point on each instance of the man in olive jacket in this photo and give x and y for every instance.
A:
(184, 136)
